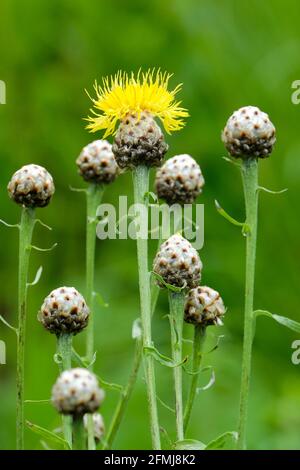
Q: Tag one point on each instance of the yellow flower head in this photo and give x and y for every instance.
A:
(121, 95)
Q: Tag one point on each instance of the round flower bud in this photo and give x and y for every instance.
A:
(97, 164)
(31, 186)
(139, 141)
(179, 180)
(64, 311)
(204, 307)
(178, 263)
(77, 392)
(99, 427)
(249, 133)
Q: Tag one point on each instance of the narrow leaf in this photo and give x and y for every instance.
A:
(162, 359)
(38, 221)
(37, 277)
(48, 435)
(168, 286)
(228, 217)
(37, 248)
(226, 441)
(9, 225)
(287, 322)
(37, 401)
(8, 324)
(211, 380)
(266, 190)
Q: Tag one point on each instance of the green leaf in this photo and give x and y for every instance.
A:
(38, 401)
(162, 359)
(287, 322)
(226, 441)
(110, 386)
(266, 190)
(168, 286)
(189, 444)
(48, 435)
(223, 213)
(37, 277)
(8, 325)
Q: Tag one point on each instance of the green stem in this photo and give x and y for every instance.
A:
(199, 339)
(137, 360)
(94, 195)
(26, 229)
(93, 198)
(250, 182)
(64, 349)
(141, 187)
(79, 438)
(125, 396)
(176, 301)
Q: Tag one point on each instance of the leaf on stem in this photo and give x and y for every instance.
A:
(233, 161)
(226, 441)
(8, 325)
(287, 322)
(266, 190)
(168, 286)
(44, 249)
(150, 195)
(38, 221)
(37, 401)
(37, 277)
(211, 380)
(223, 213)
(48, 435)
(162, 359)
(165, 405)
(78, 190)
(189, 444)
(9, 225)
(216, 345)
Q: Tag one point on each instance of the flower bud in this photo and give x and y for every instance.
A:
(31, 186)
(139, 141)
(77, 392)
(179, 180)
(249, 133)
(64, 310)
(178, 263)
(204, 307)
(99, 427)
(97, 164)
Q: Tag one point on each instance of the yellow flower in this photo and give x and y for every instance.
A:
(121, 95)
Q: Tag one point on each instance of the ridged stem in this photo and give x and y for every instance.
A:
(250, 183)
(93, 198)
(176, 302)
(141, 188)
(199, 339)
(64, 350)
(26, 229)
(79, 438)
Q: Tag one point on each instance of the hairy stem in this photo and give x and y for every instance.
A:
(79, 438)
(64, 349)
(93, 197)
(26, 229)
(176, 301)
(250, 183)
(141, 187)
(199, 339)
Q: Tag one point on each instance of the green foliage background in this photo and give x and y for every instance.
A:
(228, 54)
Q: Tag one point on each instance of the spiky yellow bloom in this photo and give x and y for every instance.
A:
(121, 95)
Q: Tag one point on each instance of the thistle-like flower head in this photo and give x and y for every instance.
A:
(122, 95)
(204, 306)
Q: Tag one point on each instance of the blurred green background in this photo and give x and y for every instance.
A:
(227, 54)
